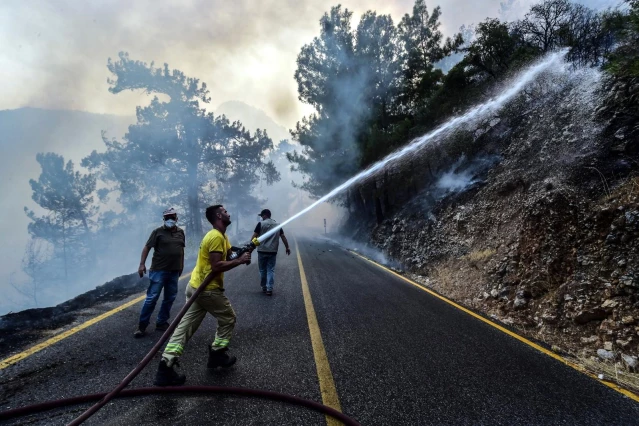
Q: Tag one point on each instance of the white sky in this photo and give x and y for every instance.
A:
(54, 53)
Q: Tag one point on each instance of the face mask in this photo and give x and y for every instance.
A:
(170, 223)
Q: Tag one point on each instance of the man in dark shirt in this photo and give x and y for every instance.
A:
(267, 250)
(168, 244)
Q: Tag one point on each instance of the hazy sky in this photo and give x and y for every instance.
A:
(54, 53)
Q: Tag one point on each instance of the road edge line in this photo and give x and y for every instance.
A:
(58, 337)
(522, 339)
(328, 390)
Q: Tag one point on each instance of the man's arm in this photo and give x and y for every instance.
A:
(218, 265)
(150, 243)
(142, 267)
(183, 250)
(285, 241)
(257, 231)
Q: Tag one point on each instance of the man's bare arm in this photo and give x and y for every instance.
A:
(218, 265)
(285, 241)
(254, 236)
(142, 267)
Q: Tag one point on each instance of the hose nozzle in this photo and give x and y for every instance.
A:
(239, 251)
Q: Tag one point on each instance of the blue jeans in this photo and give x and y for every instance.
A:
(160, 279)
(266, 263)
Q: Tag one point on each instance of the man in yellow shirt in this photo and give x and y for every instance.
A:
(209, 271)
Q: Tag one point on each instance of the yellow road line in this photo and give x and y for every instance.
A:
(327, 385)
(55, 339)
(505, 330)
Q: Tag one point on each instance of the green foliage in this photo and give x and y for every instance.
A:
(66, 197)
(542, 25)
(363, 85)
(422, 46)
(492, 50)
(178, 154)
(379, 87)
(624, 62)
(329, 79)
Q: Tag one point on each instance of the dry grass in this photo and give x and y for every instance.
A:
(478, 256)
(612, 372)
(456, 282)
(626, 193)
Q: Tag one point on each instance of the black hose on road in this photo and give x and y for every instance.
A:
(50, 405)
(106, 397)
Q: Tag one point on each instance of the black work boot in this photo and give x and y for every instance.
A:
(162, 327)
(220, 358)
(167, 376)
(141, 331)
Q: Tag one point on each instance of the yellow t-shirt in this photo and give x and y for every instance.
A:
(214, 241)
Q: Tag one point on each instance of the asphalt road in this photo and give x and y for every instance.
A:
(398, 356)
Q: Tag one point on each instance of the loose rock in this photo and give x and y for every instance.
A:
(605, 355)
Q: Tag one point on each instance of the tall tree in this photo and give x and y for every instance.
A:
(492, 50)
(332, 80)
(423, 45)
(177, 153)
(587, 34)
(542, 25)
(377, 51)
(66, 196)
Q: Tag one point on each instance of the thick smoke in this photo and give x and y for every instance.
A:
(55, 55)
(54, 51)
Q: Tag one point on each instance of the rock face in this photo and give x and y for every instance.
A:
(546, 239)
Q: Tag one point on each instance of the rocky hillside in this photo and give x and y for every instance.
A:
(540, 227)
(20, 329)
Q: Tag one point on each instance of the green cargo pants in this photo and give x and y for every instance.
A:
(213, 302)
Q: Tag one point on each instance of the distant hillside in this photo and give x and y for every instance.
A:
(253, 118)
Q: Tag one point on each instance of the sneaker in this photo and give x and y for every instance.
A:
(263, 289)
(141, 331)
(162, 327)
(269, 292)
(167, 376)
(220, 358)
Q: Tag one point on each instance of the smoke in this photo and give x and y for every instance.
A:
(54, 56)
(366, 250)
(453, 181)
(54, 51)
(463, 174)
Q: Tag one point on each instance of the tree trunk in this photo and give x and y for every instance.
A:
(64, 246)
(193, 200)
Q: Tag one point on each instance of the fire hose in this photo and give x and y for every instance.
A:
(50, 405)
(118, 390)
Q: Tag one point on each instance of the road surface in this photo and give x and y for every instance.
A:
(397, 356)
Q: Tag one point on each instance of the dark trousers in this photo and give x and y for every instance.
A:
(266, 263)
(167, 280)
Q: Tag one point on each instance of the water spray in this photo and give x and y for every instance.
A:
(479, 111)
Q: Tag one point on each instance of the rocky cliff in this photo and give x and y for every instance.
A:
(536, 224)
